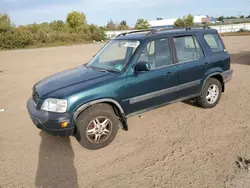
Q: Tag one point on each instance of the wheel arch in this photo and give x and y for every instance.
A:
(116, 106)
(218, 76)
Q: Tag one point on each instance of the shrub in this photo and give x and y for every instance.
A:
(142, 24)
(243, 31)
(46, 34)
(186, 21)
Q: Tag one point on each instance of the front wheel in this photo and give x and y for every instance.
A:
(210, 94)
(97, 126)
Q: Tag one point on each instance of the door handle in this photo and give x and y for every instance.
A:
(169, 74)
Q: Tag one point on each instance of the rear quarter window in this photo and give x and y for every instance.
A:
(214, 42)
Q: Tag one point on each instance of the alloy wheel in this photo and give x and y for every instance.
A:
(212, 94)
(99, 129)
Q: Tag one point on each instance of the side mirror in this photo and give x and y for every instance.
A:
(142, 66)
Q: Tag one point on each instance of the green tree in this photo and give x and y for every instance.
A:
(248, 16)
(179, 23)
(186, 21)
(57, 25)
(48, 34)
(221, 18)
(5, 23)
(231, 17)
(97, 33)
(189, 20)
(142, 24)
(242, 16)
(75, 20)
(111, 25)
(123, 25)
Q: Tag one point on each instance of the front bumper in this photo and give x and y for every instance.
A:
(227, 75)
(50, 122)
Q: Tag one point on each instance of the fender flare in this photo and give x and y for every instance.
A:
(210, 75)
(121, 113)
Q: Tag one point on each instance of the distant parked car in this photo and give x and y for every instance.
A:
(133, 73)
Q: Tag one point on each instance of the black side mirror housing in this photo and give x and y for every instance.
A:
(142, 66)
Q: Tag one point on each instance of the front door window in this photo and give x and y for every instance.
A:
(157, 53)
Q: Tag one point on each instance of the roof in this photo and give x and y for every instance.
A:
(146, 34)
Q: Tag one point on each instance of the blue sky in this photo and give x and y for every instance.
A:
(100, 11)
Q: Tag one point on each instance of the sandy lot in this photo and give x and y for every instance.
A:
(179, 145)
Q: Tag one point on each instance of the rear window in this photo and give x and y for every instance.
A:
(214, 42)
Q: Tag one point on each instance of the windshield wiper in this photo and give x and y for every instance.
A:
(103, 70)
(111, 71)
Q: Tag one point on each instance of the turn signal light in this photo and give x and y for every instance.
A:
(64, 124)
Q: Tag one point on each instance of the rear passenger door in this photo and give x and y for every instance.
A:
(191, 64)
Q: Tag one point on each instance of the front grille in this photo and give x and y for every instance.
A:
(35, 98)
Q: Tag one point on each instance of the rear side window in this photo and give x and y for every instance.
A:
(214, 42)
(187, 49)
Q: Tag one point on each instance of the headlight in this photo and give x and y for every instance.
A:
(55, 105)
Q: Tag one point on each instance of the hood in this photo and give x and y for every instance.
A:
(69, 78)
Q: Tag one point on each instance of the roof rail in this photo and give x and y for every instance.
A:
(198, 27)
(153, 31)
(137, 31)
(177, 28)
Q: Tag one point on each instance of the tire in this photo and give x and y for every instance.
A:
(206, 101)
(91, 119)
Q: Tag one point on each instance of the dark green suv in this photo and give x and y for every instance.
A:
(133, 73)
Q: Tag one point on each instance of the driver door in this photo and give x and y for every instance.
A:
(157, 86)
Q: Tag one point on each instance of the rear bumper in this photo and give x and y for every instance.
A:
(227, 75)
(50, 122)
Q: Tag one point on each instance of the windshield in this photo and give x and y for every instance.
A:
(115, 55)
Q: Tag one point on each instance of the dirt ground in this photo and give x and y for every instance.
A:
(179, 145)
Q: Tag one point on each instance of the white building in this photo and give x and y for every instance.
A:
(164, 23)
(169, 23)
(112, 34)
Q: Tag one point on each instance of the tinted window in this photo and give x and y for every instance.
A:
(157, 53)
(187, 48)
(214, 42)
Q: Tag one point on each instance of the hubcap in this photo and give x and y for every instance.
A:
(212, 94)
(99, 129)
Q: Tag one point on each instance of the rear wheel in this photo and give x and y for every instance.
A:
(97, 126)
(211, 93)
